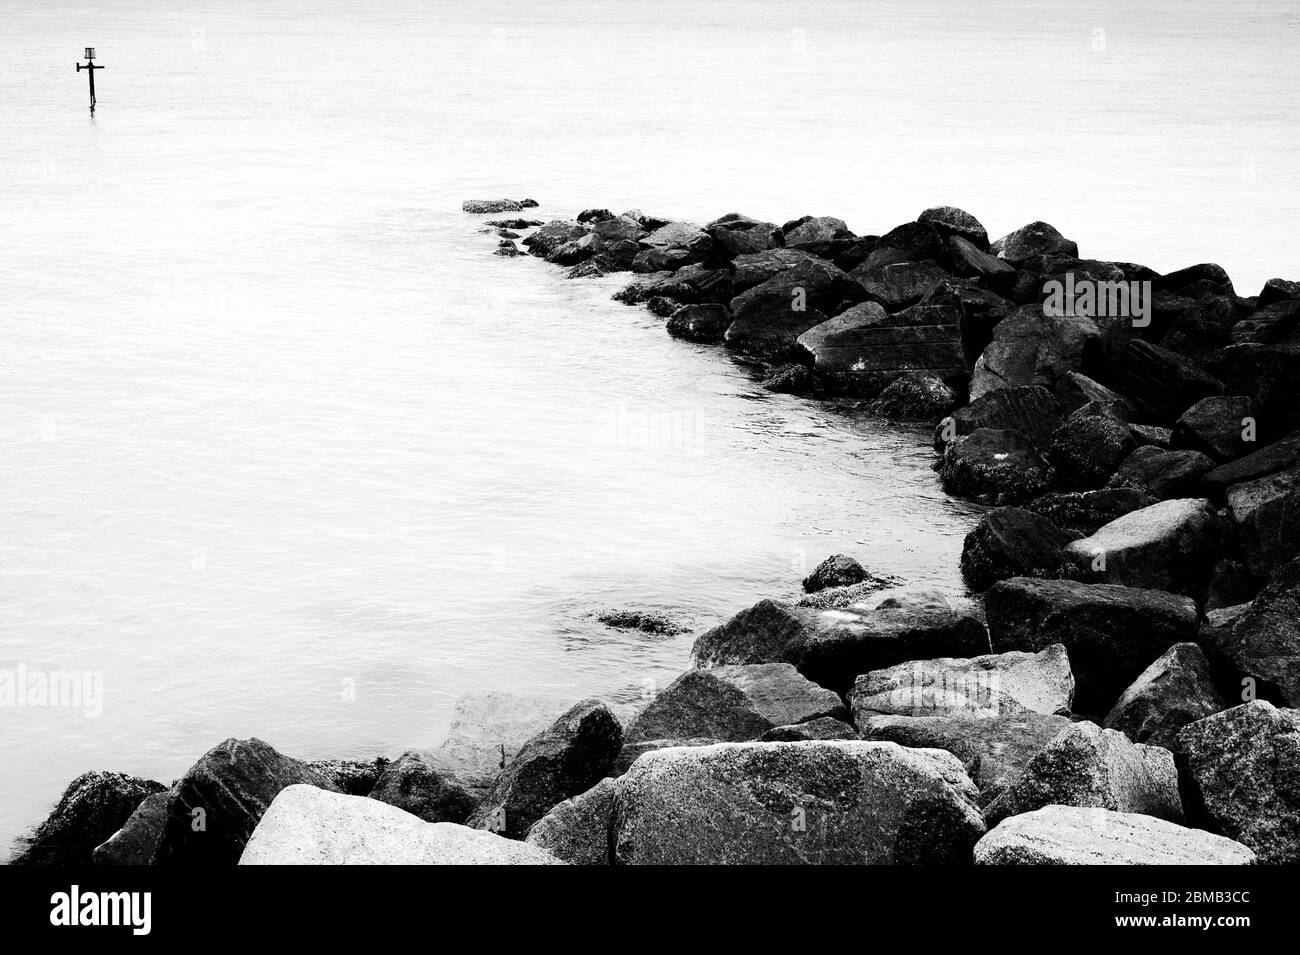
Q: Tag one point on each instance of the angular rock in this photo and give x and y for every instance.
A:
(1162, 474)
(1074, 390)
(1282, 455)
(838, 570)
(914, 396)
(1013, 542)
(411, 783)
(756, 268)
(1278, 290)
(577, 831)
(706, 324)
(488, 730)
(551, 236)
(1085, 765)
(996, 466)
(93, 807)
(1264, 512)
(735, 234)
(823, 802)
(1266, 374)
(1037, 238)
(790, 379)
(831, 647)
(309, 826)
(1269, 325)
(1088, 449)
(137, 840)
(1160, 383)
(1073, 835)
(1242, 769)
(1196, 279)
(967, 260)
(983, 687)
(950, 221)
(817, 229)
(1031, 410)
(1112, 633)
(356, 777)
(565, 759)
(1262, 641)
(909, 242)
(1081, 513)
(769, 317)
(900, 284)
(633, 751)
(1030, 348)
(824, 727)
(1173, 691)
(733, 704)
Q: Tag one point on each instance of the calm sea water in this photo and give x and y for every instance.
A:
(276, 424)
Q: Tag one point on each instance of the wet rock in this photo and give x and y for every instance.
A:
(137, 840)
(1089, 448)
(565, 759)
(791, 379)
(1172, 545)
(308, 826)
(1264, 512)
(1037, 238)
(1262, 642)
(983, 687)
(552, 236)
(1030, 348)
(1112, 633)
(93, 807)
(1085, 765)
(824, 727)
(514, 223)
(1160, 383)
(1163, 474)
(646, 621)
(831, 647)
(679, 241)
(356, 777)
(914, 396)
(1031, 410)
(617, 229)
(995, 466)
(411, 783)
(1242, 769)
(216, 805)
(706, 324)
(950, 221)
(735, 234)
(1175, 690)
(507, 249)
(664, 308)
(838, 570)
(1013, 542)
(1073, 835)
(836, 598)
(490, 205)
(577, 831)
(901, 284)
(824, 802)
(769, 317)
(1082, 513)
(528, 203)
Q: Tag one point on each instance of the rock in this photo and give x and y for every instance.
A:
(950, 221)
(978, 311)
(1081, 513)
(646, 621)
(914, 396)
(1112, 633)
(664, 308)
(735, 234)
(1163, 474)
(769, 317)
(983, 687)
(1197, 328)
(1037, 238)
(831, 647)
(594, 215)
(1268, 325)
(1282, 455)
(837, 598)
(1160, 383)
(552, 236)
(706, 324)
(863, 350)
(734, 703)
(909, 242)
(815, 230)
(1262, 641)
(680, 239)
(901, 284)
(577, 831)
(757, 267)
(967, 260)
(1196, 279)
(839, 570)
(994, 751)
(1013, 542)
(1242, 771)
(1088, 449)
(488, 730)
(137, 840)
(1030, 410)
(514, 223)
(1171, 546)
(1230, 584)
(996, 466)
(1277, 290)
(412, 784)
(824, 727)
(1030, 348)
(823, 802)
(1074, 390)
(1148, 435)
(1085, 765)
(576, 250)
(617, 229)
(490, 205)
(1264, 512)
(1074, 835)
(791, 379)
(216, 805)
(356, 777)
(309, 826)
(565, 759)
(528, 203)
(1266, 374)
(507, 249)
(632, 751)
(1173, 691)
(91, 810)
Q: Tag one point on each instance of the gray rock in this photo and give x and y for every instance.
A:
(914, 396)
(995, 466)
(705, 323)
(1173, 691)
(838, 598)
(356, 777)
(93, 807)
(898, 285)
(577, 831)
(1112, 633)
(1030, 348)
(983, 687)
(790, 379)
(1013, 542)
(632, 751)
(1163, 474)
(1261, 641)
(490, 205)
(1161, 383)
(768, 318)
(1215, 426)
(757, 267)
(1082, 513)
(1037, 238)
(488, 730)
(822, 802)
(1085, 765)
(838, 570)
(1263, 511)
(137, 840)
(824, 727)
(1242, 769)
(565, 759)
(950, 221)
(410, 782)
(817, 229)
(1089, 448)
(1073, 835)
(552, 236)
(735, 234)
(1282, 455)
(1031, 410)
(309, 826)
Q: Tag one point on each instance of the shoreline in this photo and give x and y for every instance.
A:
(1135, 579)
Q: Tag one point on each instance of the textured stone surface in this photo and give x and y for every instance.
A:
(1082, 513)
(1262, 641)
(1265, 512)
(93, 807)
(488, 729)
(1030, 348)
(137, 840)
(839, 570)
(577, 831)
(704, 323)
(1163, 474)
(914, 396)
(411, 783)
(1215, 426)
(824, 727)
(1013, 542)
(1175, 690)
(1032, 410)
(1037, 238)
(995, 466)
(1161, 383)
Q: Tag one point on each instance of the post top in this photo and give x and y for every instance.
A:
(90, 52)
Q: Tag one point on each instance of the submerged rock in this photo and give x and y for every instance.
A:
(488, 729)
(838, 570)
(915, 396)
(790, 379)
(705, 323)
(646, 621)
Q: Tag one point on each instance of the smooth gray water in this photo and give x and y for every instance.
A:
(276, 424)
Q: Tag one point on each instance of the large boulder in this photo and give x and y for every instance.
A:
(757, 267)
(137, 840)
(995, 466)
(1013, 542)
(831, 647)
(733, 703)
(824, 727)
(705, 323)
(1160, 383)
(983, 687)
(1032, 410)
(820, 802)
(1163, 474)
(1030, 348)
(909, 242)
(768, 318)
(1262, 641)
(1074, 835)
(672, 246)
(1264, 512)
(914, 396)
(1242, 773)
(91, 810)
(410, 782)
(1082, 513)
(1277, 290)
(900, 284)
(565, 759)
(632, 751)
(577, 831)
(968, 260)
(1089, 448)
(309, 826)
(735, 234)
(950, 221)
(552, 236)
(1266, 374)
(1074, 390)
(216, 805)
(1112, 633)
(816, 231)
(1037, 238)
(1085, 765)
(1172, 545)
(1175, 690)
(1216, 426)
(979, 312)
(1277, 456)
(838, 570)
